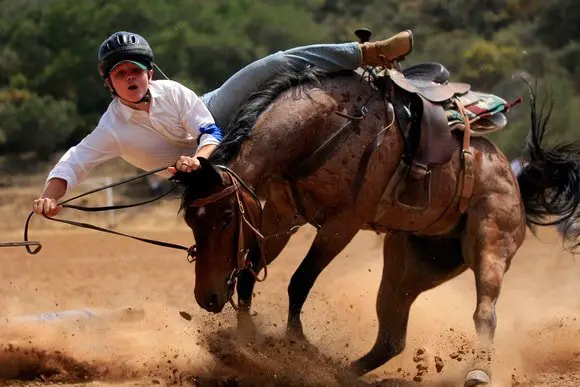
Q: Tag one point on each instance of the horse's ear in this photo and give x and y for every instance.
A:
(200, 181)
(205, 164)
(209, 172)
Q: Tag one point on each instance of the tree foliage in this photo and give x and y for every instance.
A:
(51, 94)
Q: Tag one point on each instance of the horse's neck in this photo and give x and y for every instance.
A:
(291, 128)
(246, 170)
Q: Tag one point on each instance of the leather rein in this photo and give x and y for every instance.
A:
(37, 246)
(237, 185)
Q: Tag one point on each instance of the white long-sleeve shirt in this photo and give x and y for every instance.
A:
(147, 140)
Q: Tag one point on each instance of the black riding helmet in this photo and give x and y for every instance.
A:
(124, 46)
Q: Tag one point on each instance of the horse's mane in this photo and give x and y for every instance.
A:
(245, 118)
(242, 124)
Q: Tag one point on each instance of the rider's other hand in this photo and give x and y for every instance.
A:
(185, 164)
(48, 206)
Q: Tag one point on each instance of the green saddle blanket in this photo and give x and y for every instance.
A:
(478, 106)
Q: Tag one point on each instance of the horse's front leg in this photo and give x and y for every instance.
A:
(277, 221)
(245, 289)
(491, 238)
(331, 239)
(247, 281)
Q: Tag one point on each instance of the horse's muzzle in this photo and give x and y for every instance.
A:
(212, 303)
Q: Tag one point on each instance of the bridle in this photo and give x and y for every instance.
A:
(243, 263)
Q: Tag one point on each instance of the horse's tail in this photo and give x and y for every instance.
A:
(550, 181)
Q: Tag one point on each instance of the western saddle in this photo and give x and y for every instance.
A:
(420, 95)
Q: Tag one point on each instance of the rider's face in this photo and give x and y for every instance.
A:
(130, 81)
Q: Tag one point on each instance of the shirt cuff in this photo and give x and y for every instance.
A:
(71, 181)
(207, 139)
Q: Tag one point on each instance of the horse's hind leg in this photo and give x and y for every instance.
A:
(412, 265)
(494, 231)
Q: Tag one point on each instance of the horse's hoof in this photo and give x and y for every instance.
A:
(247, 328)
(294, 333)
(476, 378)
(296, 337)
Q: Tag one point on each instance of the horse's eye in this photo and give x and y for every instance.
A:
(228, 216)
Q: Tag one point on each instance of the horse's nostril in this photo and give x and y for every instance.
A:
(211, 303)
(213, 299)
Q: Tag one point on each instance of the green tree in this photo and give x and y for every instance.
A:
(49, 48)
(485, 63)
(32, 123)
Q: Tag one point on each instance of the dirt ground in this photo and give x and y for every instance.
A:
(538, 336)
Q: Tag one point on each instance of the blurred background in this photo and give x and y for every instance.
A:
(51, 94)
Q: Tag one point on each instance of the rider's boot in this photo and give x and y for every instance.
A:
(384, 53)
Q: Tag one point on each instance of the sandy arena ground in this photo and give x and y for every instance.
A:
(538, 337)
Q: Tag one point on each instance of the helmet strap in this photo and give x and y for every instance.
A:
(161, 71)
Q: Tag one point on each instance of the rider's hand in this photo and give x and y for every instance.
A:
(185, 164)
(47, 205)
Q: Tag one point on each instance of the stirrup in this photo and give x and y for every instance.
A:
(418, 173)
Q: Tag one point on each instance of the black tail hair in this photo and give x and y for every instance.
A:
(550, 181)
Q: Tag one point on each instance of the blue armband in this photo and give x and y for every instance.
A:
(211, 129)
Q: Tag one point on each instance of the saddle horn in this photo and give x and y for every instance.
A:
(363, 34)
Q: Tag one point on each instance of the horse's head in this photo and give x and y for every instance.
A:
(224, 214)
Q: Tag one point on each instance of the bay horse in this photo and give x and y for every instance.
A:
(279, 129)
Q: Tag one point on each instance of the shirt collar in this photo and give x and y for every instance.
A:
(154, 90)
(125, 110)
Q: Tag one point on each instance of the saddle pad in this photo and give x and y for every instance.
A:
(483, 126)
(477, 105)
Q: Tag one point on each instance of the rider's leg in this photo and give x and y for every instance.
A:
(224, 101)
